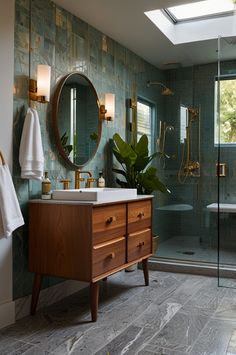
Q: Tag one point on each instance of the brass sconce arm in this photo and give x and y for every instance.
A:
(107, 111)
(103, 112)
(33, 92)
(40, 90)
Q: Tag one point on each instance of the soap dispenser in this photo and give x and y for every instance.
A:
(46, 187)
(101, 180)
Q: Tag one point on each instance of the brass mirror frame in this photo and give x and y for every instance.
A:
(55, 105)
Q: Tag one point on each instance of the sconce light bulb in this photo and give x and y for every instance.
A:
(43, 81)
(110, 106)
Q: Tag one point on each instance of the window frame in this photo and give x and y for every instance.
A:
(152, 107)
(217, 140)
(175, 20)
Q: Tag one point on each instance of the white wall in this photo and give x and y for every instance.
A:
(7, 14)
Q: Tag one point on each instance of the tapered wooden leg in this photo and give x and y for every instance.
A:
(145, 271)
(94, 296)
(35, 292)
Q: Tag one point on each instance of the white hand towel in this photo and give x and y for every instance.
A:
(10, 213)
(31, 156)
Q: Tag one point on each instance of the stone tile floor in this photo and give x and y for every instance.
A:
(177, 314)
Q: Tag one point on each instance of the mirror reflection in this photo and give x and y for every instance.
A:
(77, 119)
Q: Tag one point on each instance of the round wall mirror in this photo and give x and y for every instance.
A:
(77, 126)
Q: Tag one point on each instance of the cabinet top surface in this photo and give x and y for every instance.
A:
(93, 203)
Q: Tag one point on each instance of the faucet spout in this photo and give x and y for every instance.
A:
(86, 172)
(78, 177)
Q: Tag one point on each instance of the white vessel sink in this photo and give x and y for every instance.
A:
(95, 194)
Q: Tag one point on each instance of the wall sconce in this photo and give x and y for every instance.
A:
(39, 90)
(107, 111)
(131, 105)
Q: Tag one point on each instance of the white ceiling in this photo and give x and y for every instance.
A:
(125, 22)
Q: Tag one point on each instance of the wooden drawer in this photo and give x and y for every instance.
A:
(107, 256)
(109, 222)
(139, 245)
(139, 215)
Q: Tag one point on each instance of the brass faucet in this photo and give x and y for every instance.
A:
(89, 182)
(78, 179)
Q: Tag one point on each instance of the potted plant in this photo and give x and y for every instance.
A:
(135, 167)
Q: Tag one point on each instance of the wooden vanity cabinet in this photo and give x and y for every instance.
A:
(87, 241)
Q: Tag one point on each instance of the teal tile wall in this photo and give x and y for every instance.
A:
(67, 44)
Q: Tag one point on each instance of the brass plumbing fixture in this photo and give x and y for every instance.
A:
(66, 183)
(161, 141)
(189, 166)
(78, 178)
(221, 169)
(89, 182)
(165, 90)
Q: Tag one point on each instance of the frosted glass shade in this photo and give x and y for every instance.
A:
(110, 106)
(43, 81)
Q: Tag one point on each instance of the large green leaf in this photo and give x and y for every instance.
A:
(124, 150)
(151, 182)
(122, 184)
(142, 162)
(118, 156)
(141, 147)
(118, 171)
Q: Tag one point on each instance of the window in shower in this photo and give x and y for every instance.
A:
(145, 113)
(226, 133)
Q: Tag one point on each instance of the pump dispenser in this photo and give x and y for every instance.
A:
(46, 187)
(101, 180)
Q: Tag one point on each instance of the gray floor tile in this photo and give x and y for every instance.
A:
(151, 350)
(181, 331)
(177, 314)
(128, 342)
(214, 338)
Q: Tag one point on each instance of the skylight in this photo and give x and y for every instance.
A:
(194, 26)
(201, 9)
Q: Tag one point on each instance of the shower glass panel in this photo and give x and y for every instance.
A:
(186, 226)
(226, 141)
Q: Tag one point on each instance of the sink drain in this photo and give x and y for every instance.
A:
(186, 252)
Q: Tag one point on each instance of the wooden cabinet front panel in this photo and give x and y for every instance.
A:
(139, 215)
(59, 240)
(108, 222)
(107, 256)
(139, 244)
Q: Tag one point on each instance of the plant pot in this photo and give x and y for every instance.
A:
(131, 268)
(155, 239)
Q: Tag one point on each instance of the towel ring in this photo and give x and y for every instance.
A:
(2, 159)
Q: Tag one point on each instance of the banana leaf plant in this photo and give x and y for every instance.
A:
(135, 169)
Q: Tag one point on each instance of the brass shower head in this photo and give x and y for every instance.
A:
(165, 90)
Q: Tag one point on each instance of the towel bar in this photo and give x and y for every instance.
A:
(2, 159)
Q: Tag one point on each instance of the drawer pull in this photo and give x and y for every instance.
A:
(111, 256)
(141, 214)
(111, 219)
(140, 244)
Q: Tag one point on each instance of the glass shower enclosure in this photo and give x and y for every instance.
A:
(187, 219)
(226, 140)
